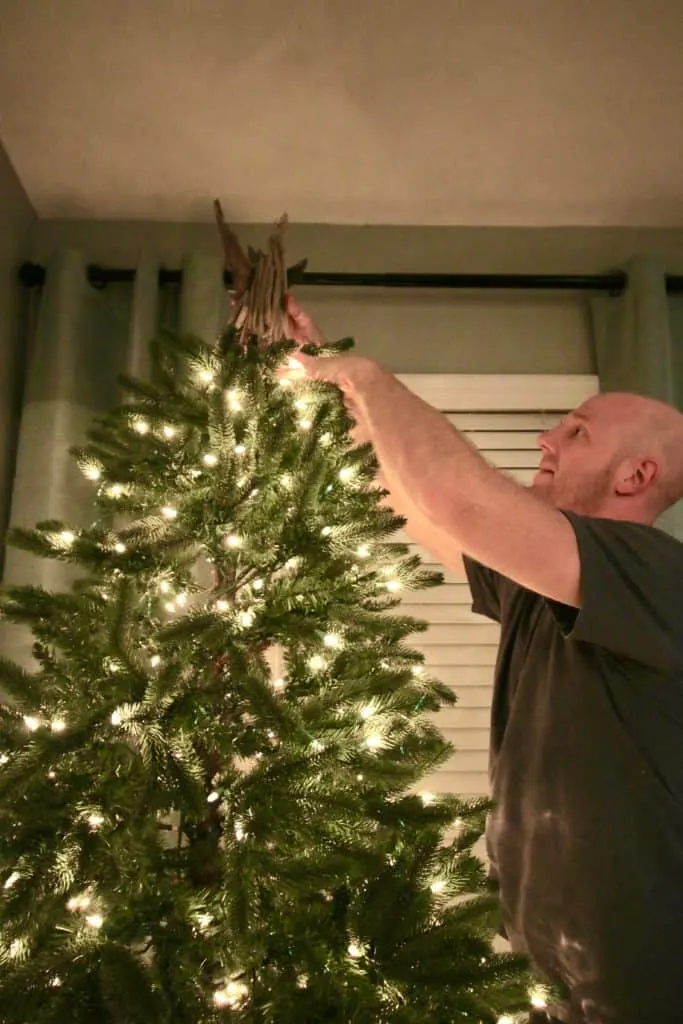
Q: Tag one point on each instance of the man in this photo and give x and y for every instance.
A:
(586, 765)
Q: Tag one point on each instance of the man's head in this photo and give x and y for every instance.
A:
(618, 455)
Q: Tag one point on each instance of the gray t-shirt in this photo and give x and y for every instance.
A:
(586, 770)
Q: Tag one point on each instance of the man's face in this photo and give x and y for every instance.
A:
(579, 459)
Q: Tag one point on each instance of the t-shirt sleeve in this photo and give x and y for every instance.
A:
(485, 586)
(631, 592)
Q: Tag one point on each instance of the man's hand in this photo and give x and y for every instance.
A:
(300, 326)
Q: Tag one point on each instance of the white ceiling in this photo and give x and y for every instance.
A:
(476, 112)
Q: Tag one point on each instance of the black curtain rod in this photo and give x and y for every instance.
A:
(32, 275)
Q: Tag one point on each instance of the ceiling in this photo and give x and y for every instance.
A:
(435, 112)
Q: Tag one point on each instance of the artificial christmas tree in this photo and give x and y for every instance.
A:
(209, 785)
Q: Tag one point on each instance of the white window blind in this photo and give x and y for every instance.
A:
(503, 416)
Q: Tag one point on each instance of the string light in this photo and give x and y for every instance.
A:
(95, 820)
(317, 663)
(346, 474)
(232, 995)
(233, 541)
(427, 798)
(213, 797)
(94, 921)
(13, 878)
(181, 599)
(363, 551)
(164, 586)
(155, 660)
(67, 536)
(239, 831)
(355, 950)
(210, 459)
(115, 491)
(374, 742)
(234, 401)
(169, 512)
(205, 375)
(326, 531)
(58, 725)
(279, 684)
(92, 472)
(332, 640)
(119, 548)
(240, 449)
(247, 619)
(393, 585)
(142, 426)
(222, 605)
(305, 424)
(538, 997)
(169, 431)
(257, 584)
(31, 723)
(367, 711)
(438, 886)
(417, 670)
(116, 718)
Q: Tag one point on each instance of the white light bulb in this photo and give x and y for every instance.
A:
(279, 684)
(31, 723)
(355, 950)
(247, 619)
(67, 536)
(317, 746)
(360, 778)
(206, 375)
(332, 640)
(346, 474)
(367, 711)
(95, 820)
(115, 491)
(56, 981)
(116, 718)
(438, 886)
(92, 472)
(305, 424)
(142, 426)
(9, 882)
(222, 605)
(58, 725)
(417, 670)
(538, 997)
(317, 663)
(373, 742)
(210, 459)
(393, 585)
(326, 440)
(170, 607)
(233, 541)
(213, 797)
(169, 431)
(4, 758)
(257, 584)
(94, 920)
(300, 404)
(155, 660)
(240, 449)
(119, 548)
(239, 831)
(181, 599)
(326, 531)
(234, 401)
(363, 551)
(505, 1020)
(164, 586)
(286, 479)
(427, 798)
(169, 512)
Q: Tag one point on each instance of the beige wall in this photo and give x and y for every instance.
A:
(478, 332)
(17, 221)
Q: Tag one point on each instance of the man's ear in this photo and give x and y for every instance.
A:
(635, 475)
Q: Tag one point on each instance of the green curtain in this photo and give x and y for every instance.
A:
(82, 338)
(638, 341)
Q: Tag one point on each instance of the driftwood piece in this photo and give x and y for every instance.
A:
(259, 283)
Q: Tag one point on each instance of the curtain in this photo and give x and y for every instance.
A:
(81, 339)
(638, 341)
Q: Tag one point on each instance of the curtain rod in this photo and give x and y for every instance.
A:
(32, 275)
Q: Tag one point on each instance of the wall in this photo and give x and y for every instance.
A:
(17, 223)
(479, 332)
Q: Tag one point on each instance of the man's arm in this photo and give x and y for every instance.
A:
(469, 505)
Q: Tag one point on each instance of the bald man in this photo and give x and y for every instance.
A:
(586, 753)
